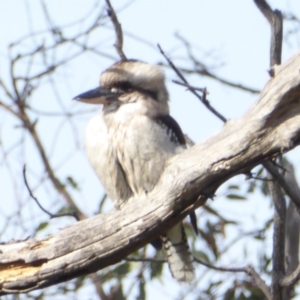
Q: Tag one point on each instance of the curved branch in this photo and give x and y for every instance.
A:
(270, 128)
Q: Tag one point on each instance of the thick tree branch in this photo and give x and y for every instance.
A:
(288, 186)
(275, 19)
(270, 128)
(292, 235)
(293, 224)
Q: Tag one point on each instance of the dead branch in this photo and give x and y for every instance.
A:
(70, 214)
(248, 270)
(270, 128)
(278, 269)
(274, 17)
(118, 30)
(194, 91)
(287, 185)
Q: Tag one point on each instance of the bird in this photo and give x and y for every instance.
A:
(129, 142)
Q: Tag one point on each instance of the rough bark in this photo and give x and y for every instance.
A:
(271, 127)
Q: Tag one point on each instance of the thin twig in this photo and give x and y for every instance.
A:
(133, 259)
(248, 270)
(52, 216)
(118, 30)
(205, 72)
(190, 87)
(223, 269)
(201, 68)
(201, 98)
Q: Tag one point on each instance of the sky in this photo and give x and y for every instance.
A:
(232, 37)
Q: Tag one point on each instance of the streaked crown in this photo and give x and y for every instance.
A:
(137, 75)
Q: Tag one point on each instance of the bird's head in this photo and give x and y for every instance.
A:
(125, 82)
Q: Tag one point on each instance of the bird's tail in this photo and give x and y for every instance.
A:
(178, 254)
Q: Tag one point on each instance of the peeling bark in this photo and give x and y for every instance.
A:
(271, 127)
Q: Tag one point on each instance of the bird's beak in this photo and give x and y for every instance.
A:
(97, 96)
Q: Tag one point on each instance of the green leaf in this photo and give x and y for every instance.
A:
(42, 226)
(120, 271)
(201, 255)
(229, 295)
(156, 269)
(252, 187)
(235, 197)
(63, 210)
(71, 182)
(233, 187)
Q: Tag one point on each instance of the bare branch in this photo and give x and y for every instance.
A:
(274, 17)
(265, 9)
(98, 285)
(278, 256)
(92, 244)
(118, 29)
(291, 279)
(248, 270)
(201, 68)
(141, 259)
(205, 72)
(260, 283)
(52, 216)
(292, 229)
(278, 238)
(189, 86)
(292, 224)
(201, 98)
(287, 186)
(222, 269)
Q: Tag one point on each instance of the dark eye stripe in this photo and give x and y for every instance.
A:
(126, 86)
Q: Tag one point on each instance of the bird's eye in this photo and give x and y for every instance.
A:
(115, 90)
(121, 87)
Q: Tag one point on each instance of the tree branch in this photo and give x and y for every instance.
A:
(118, 30)
(289, 188)
(278, 238)
(194, 91)
(268, 129)
(69, 214)
(274, 17)
(248, 270)
(291, 279)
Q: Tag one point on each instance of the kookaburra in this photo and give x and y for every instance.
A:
(129, 142)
